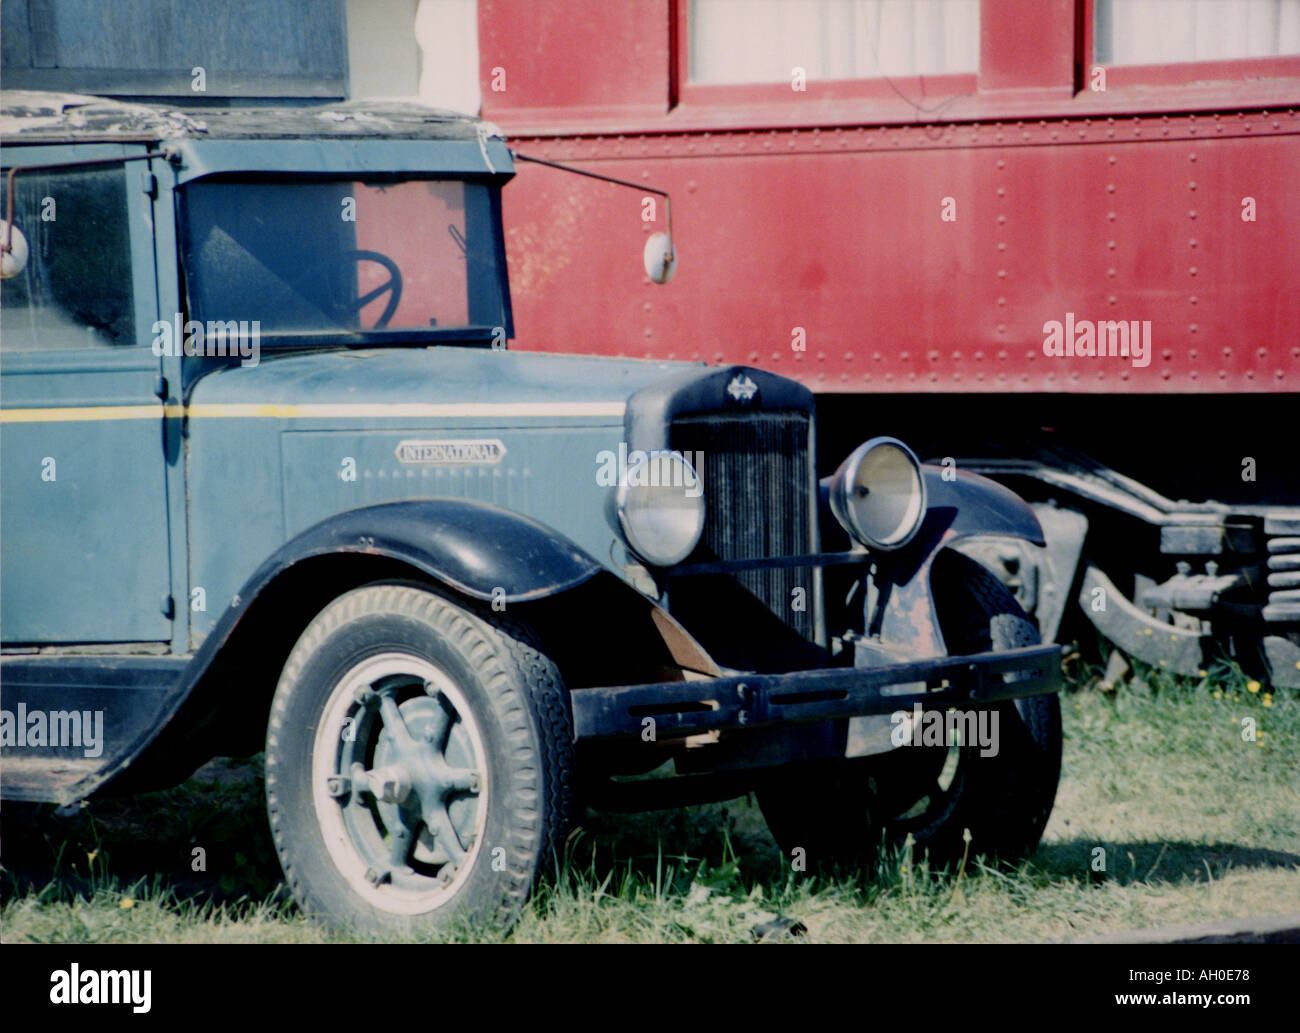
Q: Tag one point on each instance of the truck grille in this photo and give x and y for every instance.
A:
(756, 484)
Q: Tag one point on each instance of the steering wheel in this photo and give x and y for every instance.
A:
(392, 286)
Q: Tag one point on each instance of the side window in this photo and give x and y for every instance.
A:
(76, 290)
(740, 41)
(1153, 32)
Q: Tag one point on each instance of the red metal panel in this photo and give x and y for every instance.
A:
(579, 55)
(842, 235)
(1027, 44)
(822, 212)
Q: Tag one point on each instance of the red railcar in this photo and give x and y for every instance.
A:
(1067, 228)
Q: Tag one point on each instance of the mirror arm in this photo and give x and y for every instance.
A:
(7, 246)
(668, 201)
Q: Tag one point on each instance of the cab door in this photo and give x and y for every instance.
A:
(83, 507)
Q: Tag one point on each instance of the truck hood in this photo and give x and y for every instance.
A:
(431, 381)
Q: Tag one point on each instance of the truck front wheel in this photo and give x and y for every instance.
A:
(418, 763)
(1001, 792)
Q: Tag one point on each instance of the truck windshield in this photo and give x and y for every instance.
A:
(379, 258)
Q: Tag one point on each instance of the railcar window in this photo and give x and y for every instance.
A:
(76, 290)
(756, 41)
(1150, 32)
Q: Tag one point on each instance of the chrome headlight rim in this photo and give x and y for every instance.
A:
(842, 500)
(623, 512)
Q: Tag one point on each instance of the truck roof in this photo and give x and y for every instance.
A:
(42, 117)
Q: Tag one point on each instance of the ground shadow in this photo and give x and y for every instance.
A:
(1161, 860)
(206, 841)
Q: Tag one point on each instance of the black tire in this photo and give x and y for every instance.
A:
(454, 731)
(935, 793)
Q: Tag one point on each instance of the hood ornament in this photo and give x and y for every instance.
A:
(741, 388)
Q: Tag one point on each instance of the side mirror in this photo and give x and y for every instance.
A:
(660, 257)
(14, 258)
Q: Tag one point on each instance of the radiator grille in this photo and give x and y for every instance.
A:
(756, 484)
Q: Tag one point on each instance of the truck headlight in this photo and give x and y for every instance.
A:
(658, 507)
(878, 494)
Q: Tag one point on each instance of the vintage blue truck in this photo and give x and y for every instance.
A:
(272, 481)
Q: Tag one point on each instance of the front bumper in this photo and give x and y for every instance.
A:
(683, 708)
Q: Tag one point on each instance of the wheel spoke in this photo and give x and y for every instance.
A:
(461, 780)
(436, 734)
(395, 723)
(367, 298)
(439, 823)
(401, 848)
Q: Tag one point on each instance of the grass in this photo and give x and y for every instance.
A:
(1194, 822)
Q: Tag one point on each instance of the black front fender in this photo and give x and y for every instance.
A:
(958, 505)
(963, 505)
(475, 548)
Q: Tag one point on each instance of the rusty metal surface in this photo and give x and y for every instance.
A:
(44, 117)
(1177, 650)
(758, 700)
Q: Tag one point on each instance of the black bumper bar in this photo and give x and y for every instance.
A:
(753, 700)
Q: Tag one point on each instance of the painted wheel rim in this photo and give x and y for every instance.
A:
(399, 783)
